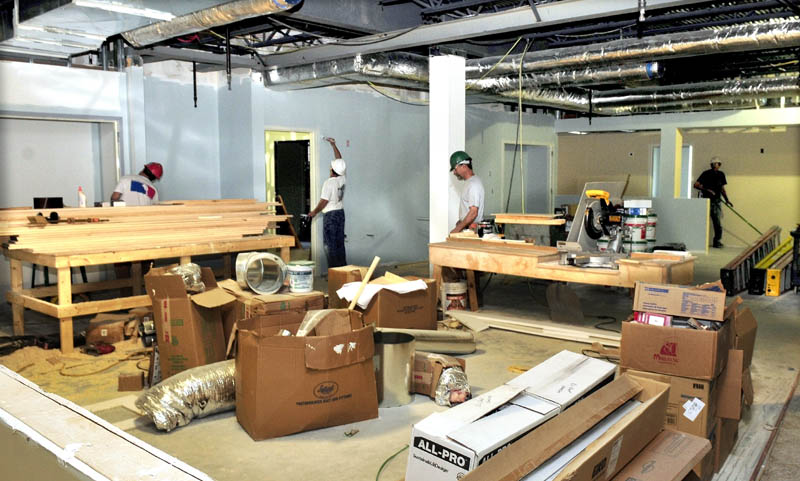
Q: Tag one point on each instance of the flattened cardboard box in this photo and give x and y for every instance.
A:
(679, 301)
(288, 384)
(699, 421)
(668, 457)
(688, 353)
(339, 276)
(605, 456)
(746, 327)
(428, 369)
(188, 327)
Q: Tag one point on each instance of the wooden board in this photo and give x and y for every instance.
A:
(533, 219)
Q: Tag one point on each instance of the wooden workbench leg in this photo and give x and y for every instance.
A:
(472, 291)
(186, 260)
(227, 267)
(286, 254)
(136, 278)
(65, 299)
(437, 276)
(17, 309)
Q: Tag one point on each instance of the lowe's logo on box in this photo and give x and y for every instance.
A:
(442, 452)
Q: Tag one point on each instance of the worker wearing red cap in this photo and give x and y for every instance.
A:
(139, 189)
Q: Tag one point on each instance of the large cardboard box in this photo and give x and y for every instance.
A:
(249, 304)
(679, 301)
(728, 433)
(188, 327)
(446, 445)
(288, 384)
(668, 457)
(604, 457)
(107, 328)
(689, 353)
(413, 310)
(705, 469)
(339, 276)
(731, 386)
(699, 418)
(745, 326)
(428, 369)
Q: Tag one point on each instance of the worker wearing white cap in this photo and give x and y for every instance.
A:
(330, 204)
(711, 185)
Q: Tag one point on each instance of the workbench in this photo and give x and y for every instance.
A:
(542, 262)
(121, 235)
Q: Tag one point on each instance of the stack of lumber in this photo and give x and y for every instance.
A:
(103, 229)
(534, 219)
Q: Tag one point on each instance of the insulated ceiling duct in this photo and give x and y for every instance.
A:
(204, 19)
(740, 38)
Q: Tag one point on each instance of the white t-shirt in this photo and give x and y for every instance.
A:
(333, 192)
(472, 195)
(137, 190)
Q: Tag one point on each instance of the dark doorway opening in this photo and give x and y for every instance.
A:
(293, 183)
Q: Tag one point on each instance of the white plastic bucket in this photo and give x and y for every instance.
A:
(638, 246)
(301, 277)
(602, 243)
(455, 296)
(652, 220)
(651, 245)
(637, 226)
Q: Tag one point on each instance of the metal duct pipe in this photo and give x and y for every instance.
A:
(689, 106)
(584, 76)
(557, 99)
(394, 68)
(740, 38)
(740, 89)
(205, 19)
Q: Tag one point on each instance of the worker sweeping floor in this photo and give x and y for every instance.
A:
(220, 447)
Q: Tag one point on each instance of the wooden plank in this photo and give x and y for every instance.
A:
(65, 300)
(472, 291)
(529, 219)
(32, 303)
(79, 288)
(107, 305)
(17, 309)
(137, 283)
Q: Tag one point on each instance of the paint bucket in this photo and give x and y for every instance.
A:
(637, 227)
(455, 296)
(602, 243)
(301, 276)
(651, 245)
(394, 368)
(639, 246)
(652, 219)
(262, 272)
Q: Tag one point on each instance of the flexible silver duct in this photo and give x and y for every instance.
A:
(739, 38)
(589, 75)
(740, 89)
(558, 99)
(194, 393)
(205, 19)
(667, 107)
(401, 69)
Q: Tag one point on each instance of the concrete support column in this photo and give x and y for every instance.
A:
(669, 164)
(447, 112)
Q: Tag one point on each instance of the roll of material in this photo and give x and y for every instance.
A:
(194, 393)
(251, 272)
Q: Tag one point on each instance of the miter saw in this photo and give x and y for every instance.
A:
(602, 218)
(596, 217)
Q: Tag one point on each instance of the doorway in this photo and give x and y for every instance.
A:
(536, 173)
(293, 184)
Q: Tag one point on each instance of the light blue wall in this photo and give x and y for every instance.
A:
(183, 139)
(235, 145)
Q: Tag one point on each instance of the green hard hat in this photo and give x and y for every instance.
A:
(459, 157)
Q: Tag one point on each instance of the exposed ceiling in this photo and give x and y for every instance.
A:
(582, 57)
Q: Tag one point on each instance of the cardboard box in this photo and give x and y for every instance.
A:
(704, 470)
(107, 328)
(689, 353)
(679, 301)
(188, 327)
(604, 457)
(131, 382)
(249, 304)
(730, 387)
(668, 457)
(446, 445)
(700, 420)
(728, 433)
(745, 327)
(413, 310)
(339, 276)
(428, 369)
(288, 384)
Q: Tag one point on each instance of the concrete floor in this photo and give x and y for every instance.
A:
(220, 447)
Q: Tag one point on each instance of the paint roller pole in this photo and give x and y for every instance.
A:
(740, 216)
(364, 282)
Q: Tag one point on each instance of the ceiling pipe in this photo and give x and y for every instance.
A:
(204, 19)
(667, 107)
(598, 75)
(740, 38)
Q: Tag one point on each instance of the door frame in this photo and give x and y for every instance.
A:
(550, 169)
(278, 134)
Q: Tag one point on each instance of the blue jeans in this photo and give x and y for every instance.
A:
(333, 237)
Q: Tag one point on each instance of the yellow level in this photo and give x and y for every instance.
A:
(776, 254)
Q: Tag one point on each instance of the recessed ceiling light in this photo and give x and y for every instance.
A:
(125, 9)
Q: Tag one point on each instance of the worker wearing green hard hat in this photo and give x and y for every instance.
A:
(470, 208)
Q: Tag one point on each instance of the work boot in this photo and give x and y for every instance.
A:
(718, 245)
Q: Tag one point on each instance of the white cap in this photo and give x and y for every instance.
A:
(338, 166)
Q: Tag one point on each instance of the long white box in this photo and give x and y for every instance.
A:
(447, 445)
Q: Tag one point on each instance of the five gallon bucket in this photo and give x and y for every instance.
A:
(455, 296)
(602, 243)
(650, 234)
(394, 368)
(301, 276)
(260, 271)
